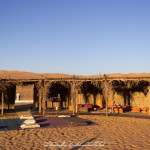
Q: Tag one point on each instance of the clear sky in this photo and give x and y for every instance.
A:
(82, 37)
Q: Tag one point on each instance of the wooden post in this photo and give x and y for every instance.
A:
(73, 94)
(40, 98)
(106, 106)
(76, 101)
(112, 101)
(106, 93)
(44, 98)
(2, 111)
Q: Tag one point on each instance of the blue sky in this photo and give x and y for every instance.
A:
(84, 37)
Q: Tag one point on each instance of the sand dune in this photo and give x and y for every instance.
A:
(112, 132)
(29, 75)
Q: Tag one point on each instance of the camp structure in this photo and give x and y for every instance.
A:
(73, 91)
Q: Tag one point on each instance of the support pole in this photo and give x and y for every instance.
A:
(106, 93)
(73, 94)
(44, 98)
(76, 101)
(40, 98)
(112, 101)
(107, 107)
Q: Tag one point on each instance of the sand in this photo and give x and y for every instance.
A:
(110, 133)
(30, 75)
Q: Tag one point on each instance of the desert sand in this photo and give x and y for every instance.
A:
(109, 133)
(30, 75)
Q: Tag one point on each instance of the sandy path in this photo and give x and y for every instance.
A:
(116, 132)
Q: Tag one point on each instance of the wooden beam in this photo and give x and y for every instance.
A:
(102, 78)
